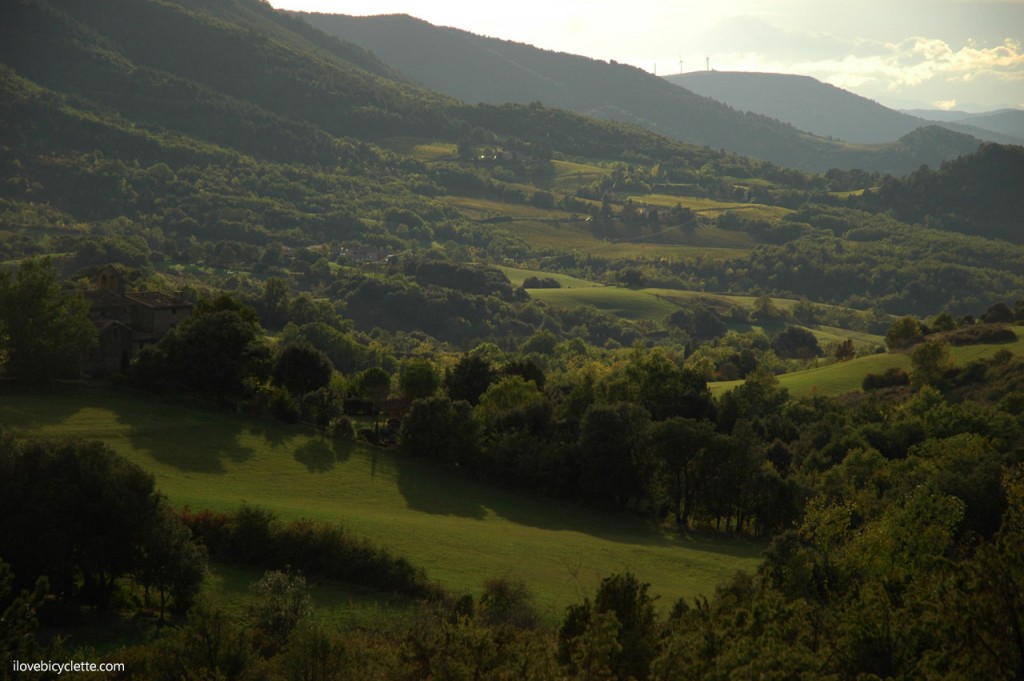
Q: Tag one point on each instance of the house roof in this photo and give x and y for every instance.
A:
(105, 299)
(156, 299)
(103, 325)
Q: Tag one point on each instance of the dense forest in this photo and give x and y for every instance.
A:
(365, 260)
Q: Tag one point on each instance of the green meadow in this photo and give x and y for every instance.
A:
(558, 230)
(844, 377)
(461, 532)
(622, 302)
(518, 275)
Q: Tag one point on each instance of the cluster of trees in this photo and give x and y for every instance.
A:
(878, 580)
(84, 519)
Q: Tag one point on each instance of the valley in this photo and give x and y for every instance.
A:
(364, 348)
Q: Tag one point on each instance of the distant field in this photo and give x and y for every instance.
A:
(844, 377)
(422, 150)
(571, 176)
(557, 230)
(712, 207)
(461, 532)
(621, 302)
(517, 276)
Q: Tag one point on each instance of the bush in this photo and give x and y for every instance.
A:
(507, 602)
(982, 334)
(253, 536)
(890, 379)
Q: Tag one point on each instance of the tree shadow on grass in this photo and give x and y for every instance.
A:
(35, 410)
(187, 439)
(321, 455)
(428, 488)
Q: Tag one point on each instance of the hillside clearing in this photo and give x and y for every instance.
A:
(460, 531)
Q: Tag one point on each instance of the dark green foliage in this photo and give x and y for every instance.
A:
(506, 602)
(172, 564)
(930, 361)
(702, 322)
(796, 343)
(418, 379)
(253, 536)
(541, 282)
(218, 350)
(625, 600)
(677, 447)
(904, 332)
(613, 468)
(981, 333)
(301, 369)
(893, 377)
(45, 331)
(18, 621)
(469, 378)
(281, 603)
(440, 429)
(85, 517)
(974, 194)
(212, 644)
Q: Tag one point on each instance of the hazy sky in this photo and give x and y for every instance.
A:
(967, 54)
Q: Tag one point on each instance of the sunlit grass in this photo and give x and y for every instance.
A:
(460, 531)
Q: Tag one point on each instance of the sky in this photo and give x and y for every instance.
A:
(966, 55)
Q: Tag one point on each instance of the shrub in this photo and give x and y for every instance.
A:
(253, 536)
(890, 379)
(982, 334)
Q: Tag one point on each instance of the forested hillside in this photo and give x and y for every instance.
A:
(480, 69)
(581, 322)
(820, 108)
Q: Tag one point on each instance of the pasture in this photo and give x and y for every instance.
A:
(461, 532)
(843, 377)
(622, 302)
(551, 229)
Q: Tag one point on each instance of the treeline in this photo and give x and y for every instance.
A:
(884, 590)
(91, 525)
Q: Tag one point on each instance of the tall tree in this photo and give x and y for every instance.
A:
(301, 369)
(677, 445)
(44, 329)
(613, 467)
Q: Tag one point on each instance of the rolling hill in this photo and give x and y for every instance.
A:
(461, 531)
(1005, 121)
(480, 69)
(820, 108)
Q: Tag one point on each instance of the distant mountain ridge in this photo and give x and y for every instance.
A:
(1005, 121)
(478, 69)
(823, 109)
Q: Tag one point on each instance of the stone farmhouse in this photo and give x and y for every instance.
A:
(127, 321)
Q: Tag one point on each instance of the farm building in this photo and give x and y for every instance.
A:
(127, 322)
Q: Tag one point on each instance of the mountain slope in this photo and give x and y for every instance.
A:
(480, 69)
(817, 107)
(1005, 121)
(184, 69)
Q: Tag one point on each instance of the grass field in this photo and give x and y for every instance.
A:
(621, 302)
(517, 276)
(557, 230)
(460, 531)
(843, 377)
